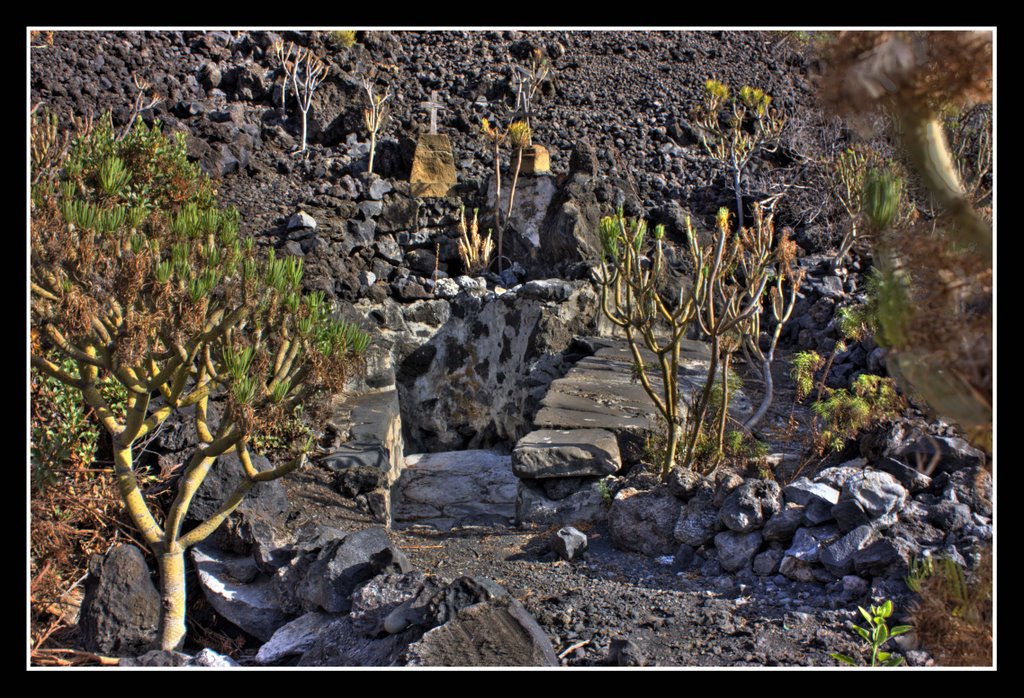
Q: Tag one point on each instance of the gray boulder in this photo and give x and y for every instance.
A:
(208, 658)
(914, 480)
(837, 557)
(436, 603)
(837, 475)
(767, 563)
(295, 637)
(802, 559)
(725, 483)
(644, 522)
(872, 496)
(624, 652)
(344, 564)
(266, 498)
(374, 601)
(587, 504)
(803, 491)
(339, 644)
(569, 543)
(783, 524)
(970, 486)
(949, 452)
(252, 605)
(301, 219)
(698, 522)
(120, 612)
(499, 632)
(684, 483)
(949, 516)
(884, 557)
(747, 507)
(737, 550)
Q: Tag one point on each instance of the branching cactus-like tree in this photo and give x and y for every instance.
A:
(307, 72)
(633, 298)
(376, 115)
(751, 125)
(785, 272)
(137, 274)
(284, 57)
(731, 279)
(493, 134)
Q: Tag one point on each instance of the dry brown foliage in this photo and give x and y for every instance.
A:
(953, 619)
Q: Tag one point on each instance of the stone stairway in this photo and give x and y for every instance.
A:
(590, 418)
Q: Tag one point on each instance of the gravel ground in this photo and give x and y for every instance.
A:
(671, 618)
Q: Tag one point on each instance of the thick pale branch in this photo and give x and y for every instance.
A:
(200, 532)
(133, 499)
(54, 371)
(138, 405)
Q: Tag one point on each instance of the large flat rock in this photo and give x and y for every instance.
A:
(547, 453)
(601, 392)
(455, 488)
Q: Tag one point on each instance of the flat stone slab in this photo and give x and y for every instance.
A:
(600, 391)
(455, 488)
(547, 453)
(253, 606)
(433, 166)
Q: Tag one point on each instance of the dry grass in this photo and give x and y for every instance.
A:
(953, 619)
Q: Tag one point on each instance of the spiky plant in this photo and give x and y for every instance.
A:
(474, 250)
(953, 616)
(138, 275)
(343, 38)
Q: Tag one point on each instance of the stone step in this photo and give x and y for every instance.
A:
(548, 453)
(455, 488)
(601, 392)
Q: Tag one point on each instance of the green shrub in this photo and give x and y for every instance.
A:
(875, 635)
(139, 276)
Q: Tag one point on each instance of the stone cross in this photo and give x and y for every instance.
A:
(433, 105)
(521, 82)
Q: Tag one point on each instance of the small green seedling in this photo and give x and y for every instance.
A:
(877, 634)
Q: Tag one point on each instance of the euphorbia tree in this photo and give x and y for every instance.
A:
(137, 274)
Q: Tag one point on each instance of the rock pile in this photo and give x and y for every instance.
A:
(852, 519)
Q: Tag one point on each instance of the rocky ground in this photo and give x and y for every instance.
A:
(616, 113)
(629, 609)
